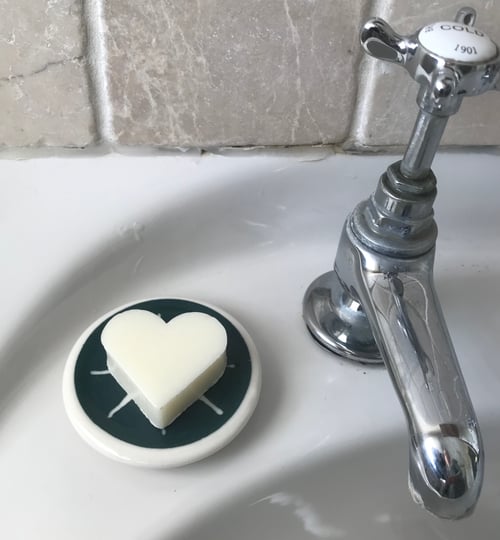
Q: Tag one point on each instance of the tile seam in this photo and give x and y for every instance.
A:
(366, 73)
(97, 56)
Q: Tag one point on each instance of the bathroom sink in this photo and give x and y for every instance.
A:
(325, 453)
(359, 494)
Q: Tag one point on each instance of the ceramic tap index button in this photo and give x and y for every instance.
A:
(457, 41)
(164, 367)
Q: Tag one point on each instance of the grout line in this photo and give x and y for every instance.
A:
(97, 55)
(366, 73)
(303, 153)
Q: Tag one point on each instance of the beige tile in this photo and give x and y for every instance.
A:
(232, 72)
(387, 102)
(44, 94)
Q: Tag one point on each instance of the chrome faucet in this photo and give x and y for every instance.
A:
(379, 302)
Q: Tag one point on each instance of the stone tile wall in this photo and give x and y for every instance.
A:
(216, 73)
(44, 91)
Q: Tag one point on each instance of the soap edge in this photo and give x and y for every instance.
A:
(147, 408)
(219, 368)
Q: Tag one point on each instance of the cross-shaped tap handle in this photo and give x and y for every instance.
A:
(449, 59)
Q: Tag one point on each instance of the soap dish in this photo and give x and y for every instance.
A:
(112, 424)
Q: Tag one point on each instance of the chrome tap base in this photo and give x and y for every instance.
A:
(397, 221)
(338, 322)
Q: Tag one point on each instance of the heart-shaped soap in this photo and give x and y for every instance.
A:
(164, 367)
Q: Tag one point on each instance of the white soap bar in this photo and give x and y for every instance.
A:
(164, 367)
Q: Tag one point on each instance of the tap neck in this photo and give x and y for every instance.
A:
(398, 219)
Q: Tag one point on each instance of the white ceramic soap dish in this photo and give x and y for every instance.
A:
(111, 422)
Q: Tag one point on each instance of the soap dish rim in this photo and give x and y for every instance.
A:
(125, 452)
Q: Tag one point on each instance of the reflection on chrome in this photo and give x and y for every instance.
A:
(379, 303)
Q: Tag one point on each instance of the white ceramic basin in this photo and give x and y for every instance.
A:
(325, 454)
(359, 493)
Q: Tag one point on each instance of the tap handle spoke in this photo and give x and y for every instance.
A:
(379, 40)
(466, 15)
